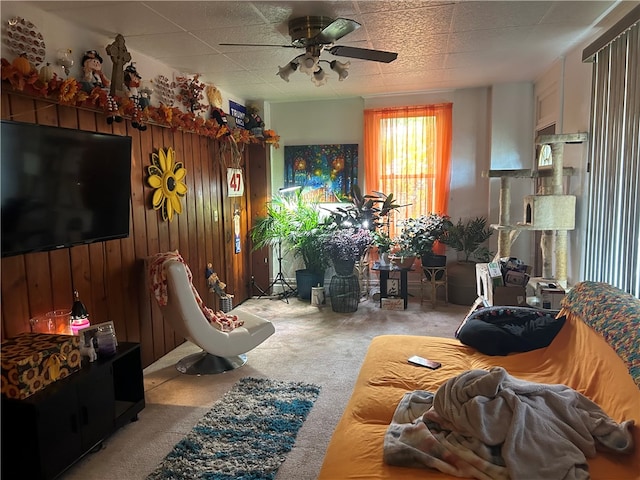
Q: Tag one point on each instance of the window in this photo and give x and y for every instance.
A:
(612, 248)
(407, 152)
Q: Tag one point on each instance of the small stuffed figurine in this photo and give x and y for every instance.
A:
(132, 81)
(253, 121)
(214, 283)
(215, 102)
(92, 77)
(145, 95)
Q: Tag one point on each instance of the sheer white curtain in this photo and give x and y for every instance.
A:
(612, 248)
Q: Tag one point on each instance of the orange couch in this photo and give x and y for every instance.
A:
(578, 357)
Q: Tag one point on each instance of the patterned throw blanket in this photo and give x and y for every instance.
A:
(490, 425)
(220, 320)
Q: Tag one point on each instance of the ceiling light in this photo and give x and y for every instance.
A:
(309, 63)
(342, 69)
(286, 71)
(319, 77)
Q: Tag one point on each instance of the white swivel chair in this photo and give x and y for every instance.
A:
(221, 351)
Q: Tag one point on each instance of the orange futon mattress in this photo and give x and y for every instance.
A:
(578, 357)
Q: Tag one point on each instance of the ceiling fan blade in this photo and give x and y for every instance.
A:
(363, 53)
(257, 45)
(336, 30)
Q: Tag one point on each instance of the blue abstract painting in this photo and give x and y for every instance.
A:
(326, 172)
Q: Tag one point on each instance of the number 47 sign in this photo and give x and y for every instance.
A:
(235, 183)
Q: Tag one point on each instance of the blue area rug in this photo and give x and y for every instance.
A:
(245, 436)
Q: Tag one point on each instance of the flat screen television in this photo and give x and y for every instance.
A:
(62, 187)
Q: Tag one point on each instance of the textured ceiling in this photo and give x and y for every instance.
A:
(440, 45)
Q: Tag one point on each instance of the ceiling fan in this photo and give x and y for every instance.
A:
(317, 34)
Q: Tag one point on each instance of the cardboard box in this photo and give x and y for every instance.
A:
(550, 295)
(392, 303)
(31, 361)
(516, 278)
(512, 296)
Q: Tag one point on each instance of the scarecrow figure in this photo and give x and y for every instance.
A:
(132, 82)
(253, 121)
(215, 101)
(214, 283)
(92, 77)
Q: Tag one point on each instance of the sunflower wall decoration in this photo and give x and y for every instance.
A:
(167, 177)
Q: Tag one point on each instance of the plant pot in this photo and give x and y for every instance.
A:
(403, 262)
(433, 261)
(305, 280)
(384, 259)
(344, 267)
(461, 278)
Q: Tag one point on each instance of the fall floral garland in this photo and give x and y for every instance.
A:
(69, 92)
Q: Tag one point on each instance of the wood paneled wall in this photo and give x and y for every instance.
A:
(110, 276)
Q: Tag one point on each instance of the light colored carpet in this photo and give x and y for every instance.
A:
(311, 344)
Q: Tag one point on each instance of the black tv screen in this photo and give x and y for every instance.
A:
(62, 187)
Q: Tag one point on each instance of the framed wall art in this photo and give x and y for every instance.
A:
(326, 172)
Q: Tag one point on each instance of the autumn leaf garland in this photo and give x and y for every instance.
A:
(68, 92)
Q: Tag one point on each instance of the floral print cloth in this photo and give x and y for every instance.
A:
(220, 320)
(612, 313)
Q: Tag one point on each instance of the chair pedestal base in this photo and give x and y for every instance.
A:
(203, 363)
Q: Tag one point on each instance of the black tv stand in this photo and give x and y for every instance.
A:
(49, 431)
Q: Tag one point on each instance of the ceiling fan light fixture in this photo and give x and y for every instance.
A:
(309, 63)
(319, 77)
(317, 34)
(285, 72)
(341, 68)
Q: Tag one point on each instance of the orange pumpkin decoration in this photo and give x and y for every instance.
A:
(22, 64)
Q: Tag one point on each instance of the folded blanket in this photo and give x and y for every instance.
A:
(542, 431)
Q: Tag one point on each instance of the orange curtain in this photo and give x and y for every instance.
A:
(407, 152)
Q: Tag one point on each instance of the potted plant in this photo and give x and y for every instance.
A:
(295, 223)
(345, 246)
(469, 239)
(419, 235)
(369, 211)
(383, 242)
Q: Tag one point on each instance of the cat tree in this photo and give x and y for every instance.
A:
(549, 211)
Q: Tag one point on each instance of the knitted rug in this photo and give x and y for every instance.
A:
(245, 436)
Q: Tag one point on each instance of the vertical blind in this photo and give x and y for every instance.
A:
(612, 243)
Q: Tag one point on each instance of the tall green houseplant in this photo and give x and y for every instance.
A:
(296, 223)
(468, 237)
(371, 211)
